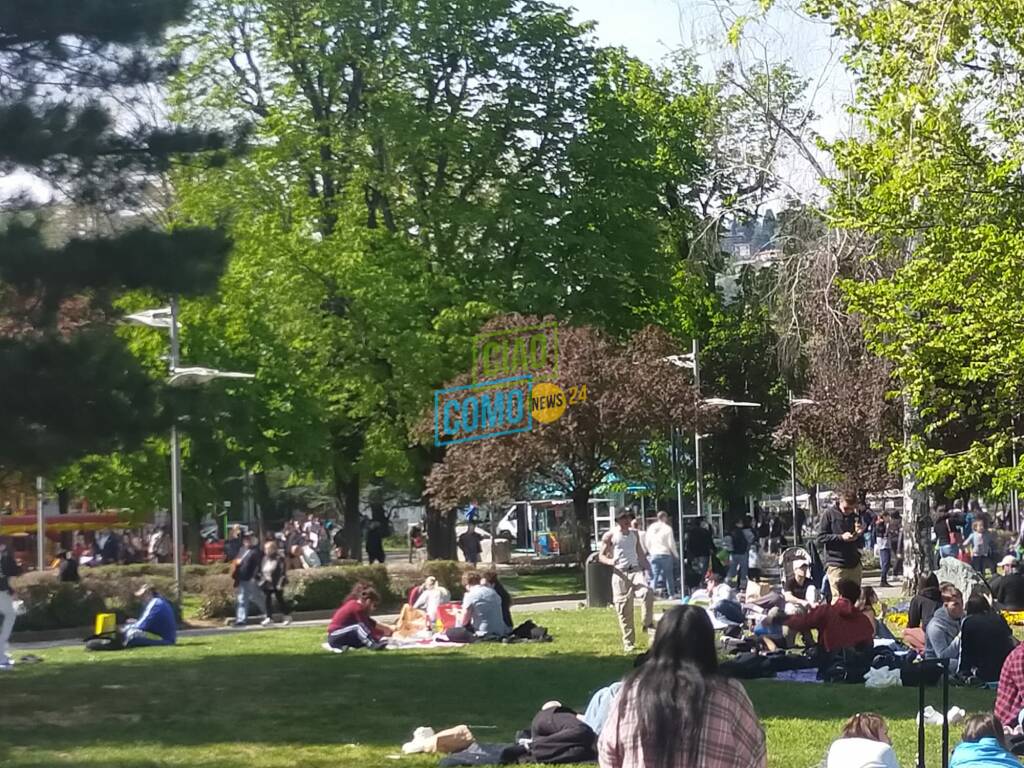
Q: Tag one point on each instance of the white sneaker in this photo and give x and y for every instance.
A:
(267, 622)
(331, 649)
(931, 717)
(287, 621)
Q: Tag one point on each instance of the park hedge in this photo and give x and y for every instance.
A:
(53, 605)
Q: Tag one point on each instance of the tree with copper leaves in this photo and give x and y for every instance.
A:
(633, 395)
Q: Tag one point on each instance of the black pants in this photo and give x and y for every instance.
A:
(271, 592)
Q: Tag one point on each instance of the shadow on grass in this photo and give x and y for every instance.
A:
(356, 698)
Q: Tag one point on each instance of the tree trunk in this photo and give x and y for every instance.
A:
(346, 491)
(917, 560)
(584, 530)
(440, 533)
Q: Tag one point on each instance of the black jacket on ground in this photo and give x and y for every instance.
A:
(985, 642)
(844, 554)
(506, 603)
(561, 737)
(249, 565)
(1009, 591)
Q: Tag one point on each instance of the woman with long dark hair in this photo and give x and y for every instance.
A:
(676, 711)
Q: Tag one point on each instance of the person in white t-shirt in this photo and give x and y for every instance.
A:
(864, 743)
(623, 549)
(661, 549)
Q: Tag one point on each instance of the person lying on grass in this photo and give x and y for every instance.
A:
(864, 743)
(984, 745)
(351, 625)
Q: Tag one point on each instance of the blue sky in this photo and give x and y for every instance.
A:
(650, 29)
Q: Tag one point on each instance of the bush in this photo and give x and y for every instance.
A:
(218, 597)
(53, 605)
(324, 588)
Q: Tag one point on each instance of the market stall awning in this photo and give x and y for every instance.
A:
(12, 524)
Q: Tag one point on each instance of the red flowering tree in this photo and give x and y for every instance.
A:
(632, 395)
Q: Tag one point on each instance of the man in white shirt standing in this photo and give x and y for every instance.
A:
(661, 549)
(622, 549)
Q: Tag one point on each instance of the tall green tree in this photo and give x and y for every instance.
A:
(420, 167)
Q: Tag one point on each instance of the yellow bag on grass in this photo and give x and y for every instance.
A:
(106, 623)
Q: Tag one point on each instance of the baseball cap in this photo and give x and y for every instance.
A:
(1008, 560)
(800, 563)
(623, 513)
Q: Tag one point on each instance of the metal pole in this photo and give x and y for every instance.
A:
(698, 465)
(176, 532)
(40, 532)
(676, 440)
(1014, 498)
(797, 535)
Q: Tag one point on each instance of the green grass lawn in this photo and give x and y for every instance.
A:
(256, 699)
(564, 582)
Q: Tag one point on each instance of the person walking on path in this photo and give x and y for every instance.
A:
(470, 544)
(375, 543)
(622, 549)
(8, 570)
(661, 548)
(245, 570)
(273, 577)
(738, 544)
(842, 537)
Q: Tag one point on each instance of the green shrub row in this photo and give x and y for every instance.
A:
(52, 605)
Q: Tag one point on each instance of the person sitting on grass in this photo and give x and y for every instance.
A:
(481, 613)
(156, 626)
(864, 743)
(983, 745)
(489, 578)
(1008, 587)
(351, 625)
(676, 711)
(841, 624)
(942, 635)
(871, 606)
(985, 641)
(429, 597)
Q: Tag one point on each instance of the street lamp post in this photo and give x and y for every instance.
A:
(178, 377)
(797, 523)
(176, 526)
(692, 361)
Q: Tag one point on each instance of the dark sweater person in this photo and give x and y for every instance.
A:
(924, 603)
(1008, 588)
(985, 641)
(842, 538)
(840, 625)
(559, 737)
